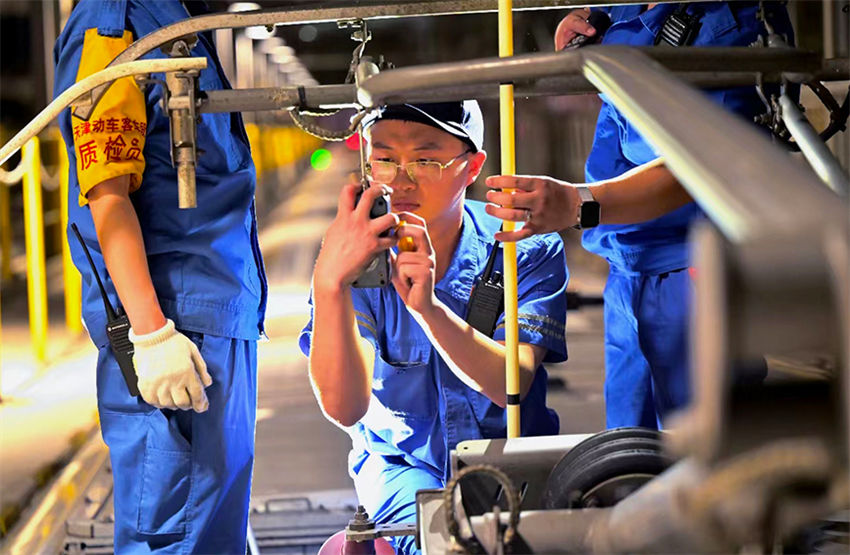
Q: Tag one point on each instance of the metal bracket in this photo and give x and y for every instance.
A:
(179, 100)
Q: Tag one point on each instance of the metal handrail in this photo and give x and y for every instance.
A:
(344, 96)
(389, 86)
(103, 77)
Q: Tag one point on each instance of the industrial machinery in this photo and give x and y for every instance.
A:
(743, 468)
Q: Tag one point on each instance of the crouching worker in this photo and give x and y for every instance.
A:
(398, 367)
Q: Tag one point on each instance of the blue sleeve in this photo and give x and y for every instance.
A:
(363, 313)
(542, 302)
(66, 61)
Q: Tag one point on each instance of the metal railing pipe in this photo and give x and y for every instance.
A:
(719, 158)
(345, 96)
(278, 98)
(397, 85)
(813, 148)
(74, 92)
(36, 267)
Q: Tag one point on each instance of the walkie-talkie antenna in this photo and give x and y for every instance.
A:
(488, 270)
(110, 312)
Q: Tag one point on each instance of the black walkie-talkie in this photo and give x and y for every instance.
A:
(117, 327)
(487, 300)
(599, 21)
(377, 273)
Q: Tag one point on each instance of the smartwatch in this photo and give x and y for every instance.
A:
(589, 211)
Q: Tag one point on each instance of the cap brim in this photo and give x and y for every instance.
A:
(408, 112)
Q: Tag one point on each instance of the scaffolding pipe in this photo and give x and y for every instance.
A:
(813, 148)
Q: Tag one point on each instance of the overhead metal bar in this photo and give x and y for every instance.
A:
(389, 86)
(728, 182)
(328, 13)
(728, 178)
(344, 96)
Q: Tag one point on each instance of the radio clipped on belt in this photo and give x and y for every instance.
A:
(117, 327)
(487, 300)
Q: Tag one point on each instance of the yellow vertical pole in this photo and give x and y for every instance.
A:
(5, 233)
(71, 277)
(34, 227)
(508, 155)
(1, 335)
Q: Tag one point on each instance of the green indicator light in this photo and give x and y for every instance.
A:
(321, 159)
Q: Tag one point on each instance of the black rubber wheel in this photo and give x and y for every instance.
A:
(608, 435)
(577, 464)
(618, 460)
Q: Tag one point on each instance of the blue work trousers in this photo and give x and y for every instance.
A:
(386, 486)
(646, 347)
(183, 479)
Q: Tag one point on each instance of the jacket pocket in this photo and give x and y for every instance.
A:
(406, 389)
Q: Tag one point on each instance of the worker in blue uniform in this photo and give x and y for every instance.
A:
(398, 368)
(645, 212)
(191, 282)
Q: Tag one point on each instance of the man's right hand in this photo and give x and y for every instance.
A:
(172, 374)
(574, 24)
(353, 238)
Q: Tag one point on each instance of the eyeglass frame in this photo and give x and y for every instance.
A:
(408, 164)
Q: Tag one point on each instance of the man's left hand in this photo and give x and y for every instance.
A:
(543, 204)
(414, 270)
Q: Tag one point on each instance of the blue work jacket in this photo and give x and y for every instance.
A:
(205, 262)
(419, 409)
(660, 245)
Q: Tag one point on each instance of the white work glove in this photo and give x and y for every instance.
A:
(170, 369)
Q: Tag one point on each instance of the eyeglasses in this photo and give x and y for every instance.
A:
(420, 172)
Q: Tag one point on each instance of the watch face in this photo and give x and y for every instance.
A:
(589, 215)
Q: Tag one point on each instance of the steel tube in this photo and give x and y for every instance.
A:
(391, 86)
(74, 92)
(344, 96)
(280, 98)
(729, 184)
(813, 148)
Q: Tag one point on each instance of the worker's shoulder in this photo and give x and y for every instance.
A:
(141, 17)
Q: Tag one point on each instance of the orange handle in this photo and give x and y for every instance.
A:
(405, 244)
